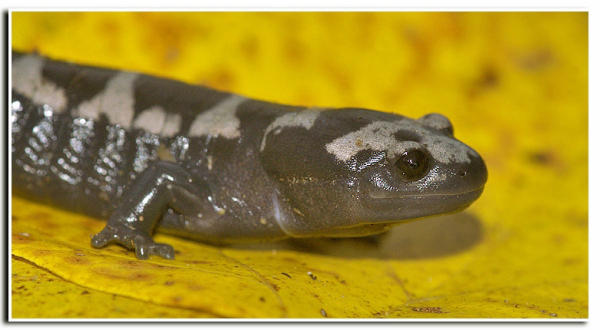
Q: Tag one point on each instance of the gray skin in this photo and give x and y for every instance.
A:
(155, 154)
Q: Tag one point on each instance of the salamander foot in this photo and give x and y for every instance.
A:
(132, 239)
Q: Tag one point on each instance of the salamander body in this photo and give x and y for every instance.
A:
(149, 153)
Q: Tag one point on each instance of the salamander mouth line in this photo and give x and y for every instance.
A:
(462, 193)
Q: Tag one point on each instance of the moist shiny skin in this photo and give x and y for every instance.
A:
(148, 153)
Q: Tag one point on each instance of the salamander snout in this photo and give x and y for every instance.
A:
(474, 174)
(470, 176)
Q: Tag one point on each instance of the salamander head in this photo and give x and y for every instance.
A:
(371, 167)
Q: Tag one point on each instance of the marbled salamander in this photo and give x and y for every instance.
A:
(147, 152)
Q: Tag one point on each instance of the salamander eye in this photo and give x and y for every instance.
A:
(413, 164)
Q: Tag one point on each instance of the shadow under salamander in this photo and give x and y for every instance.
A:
(426, 238)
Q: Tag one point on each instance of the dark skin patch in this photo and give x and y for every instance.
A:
(175, 97)
(81, 83)
(404, 135)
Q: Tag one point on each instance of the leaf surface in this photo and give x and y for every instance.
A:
(513, 84)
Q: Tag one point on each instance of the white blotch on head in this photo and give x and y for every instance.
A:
(305, 118)
(27, 79)
(219, 120)
(115, 101)
(379, 136)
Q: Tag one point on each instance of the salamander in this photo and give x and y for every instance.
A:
(148, 153)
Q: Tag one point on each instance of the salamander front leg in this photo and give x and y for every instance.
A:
(161, 186)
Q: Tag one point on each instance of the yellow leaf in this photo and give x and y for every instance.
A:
(38, 293)
(513, 84)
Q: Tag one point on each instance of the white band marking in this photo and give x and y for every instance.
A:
(27, 79)
(219, 120)
(116, 101)
(305, 118)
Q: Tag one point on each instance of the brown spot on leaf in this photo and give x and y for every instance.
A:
(293, 50)
(339, 77)
(558, 239)
(196, 262)
(21, 238)
(122, 274)
(76, 260)
(274, 286)
(487, 79)
(542, 157)
(536, 60)
(427, 309)
(547, 158)
(195, 287)
(41, 253)
(39, 215)
(570, 261)
(163, 267)
(249, 48)
(141, 276)
(221, 78)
